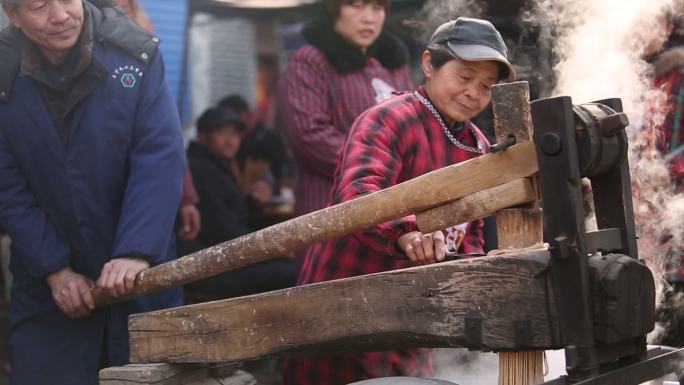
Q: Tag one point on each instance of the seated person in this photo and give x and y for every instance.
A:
(256, 158)
(224, 209)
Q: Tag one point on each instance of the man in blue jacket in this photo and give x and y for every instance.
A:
(91, 168)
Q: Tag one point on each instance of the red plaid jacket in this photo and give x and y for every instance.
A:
(317, 106)
(389, 144)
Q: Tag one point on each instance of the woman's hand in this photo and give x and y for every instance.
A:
(423, 249)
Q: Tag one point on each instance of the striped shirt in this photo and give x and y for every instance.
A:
(317, 106)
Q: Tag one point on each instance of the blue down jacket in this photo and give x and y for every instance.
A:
(112, 191)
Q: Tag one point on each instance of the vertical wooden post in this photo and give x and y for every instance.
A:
(518, 227)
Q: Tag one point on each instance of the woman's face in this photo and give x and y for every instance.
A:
(460, 89)
(360, 23)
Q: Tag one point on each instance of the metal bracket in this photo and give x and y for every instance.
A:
(473, 332)
(605, 240)
(660, 362)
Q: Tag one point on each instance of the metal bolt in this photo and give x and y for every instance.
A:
(144, 56)
(551, 144)
(508, 142)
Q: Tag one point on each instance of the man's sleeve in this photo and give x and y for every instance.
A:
(307, 119)
(155, 179)
(372, 162)
(34, 237)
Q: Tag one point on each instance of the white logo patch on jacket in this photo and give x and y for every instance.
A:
(128, 75)
(383, 91)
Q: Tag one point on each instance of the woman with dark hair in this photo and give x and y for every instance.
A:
(349, 64)
(400, 139)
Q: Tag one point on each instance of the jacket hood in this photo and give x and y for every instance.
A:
(669, 60)
(109, 24)
(342, 55)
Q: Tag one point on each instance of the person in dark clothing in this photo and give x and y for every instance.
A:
(259, 141)
(262, 161)
(224, 208)
(91, 170)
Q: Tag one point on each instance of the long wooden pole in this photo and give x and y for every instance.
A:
(422, 193)
(479, 205)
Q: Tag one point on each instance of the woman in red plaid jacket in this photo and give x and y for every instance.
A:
(349, 65)
(400, 139)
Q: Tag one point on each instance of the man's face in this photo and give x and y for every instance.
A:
(224, 141)
(360, 23)
(460, 89)
(53, 25)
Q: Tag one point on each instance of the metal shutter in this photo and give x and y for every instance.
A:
(223, 59)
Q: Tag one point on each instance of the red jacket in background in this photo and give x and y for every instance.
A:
(325, 87)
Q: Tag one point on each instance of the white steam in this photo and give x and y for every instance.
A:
(436, 12)
(599, 44)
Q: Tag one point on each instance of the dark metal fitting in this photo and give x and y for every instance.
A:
(523, 333)
(508, 142)
(551, 144)
(473, 332)
(560, 245)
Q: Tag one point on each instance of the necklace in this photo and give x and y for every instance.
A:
(456, 142)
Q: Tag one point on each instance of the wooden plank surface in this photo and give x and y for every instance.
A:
(427, 191)
(474, 303)
(167, 374)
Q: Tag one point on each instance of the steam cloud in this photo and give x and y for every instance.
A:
(599, 45)
(436, 12)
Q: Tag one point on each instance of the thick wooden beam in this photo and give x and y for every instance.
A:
(488, 303)
(476, 206)
(424, 192)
